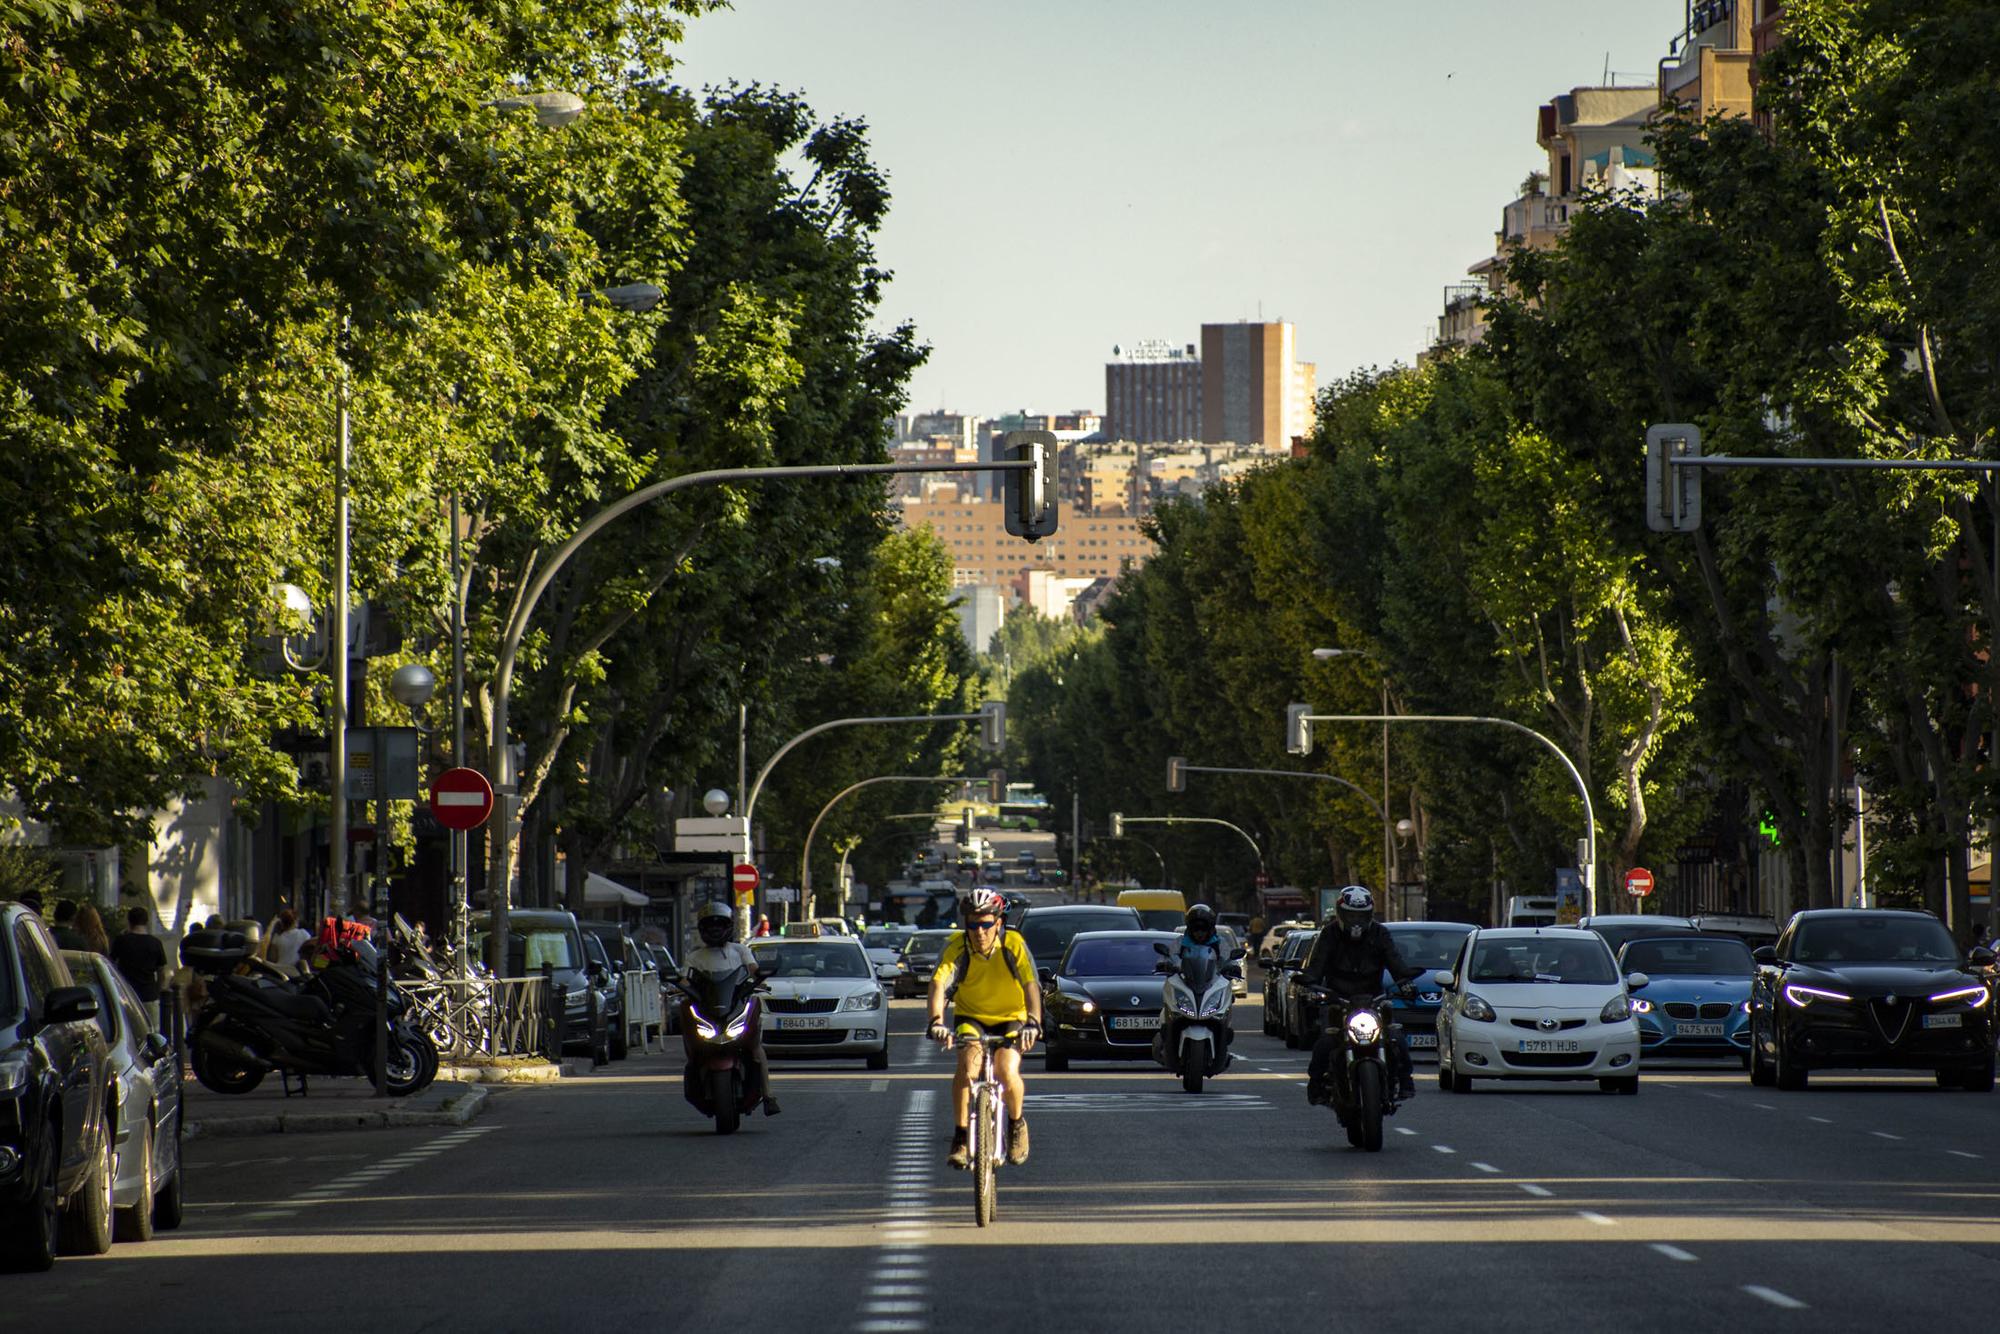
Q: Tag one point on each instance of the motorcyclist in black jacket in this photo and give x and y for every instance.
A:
(1348, 960)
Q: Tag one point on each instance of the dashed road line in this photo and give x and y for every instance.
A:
(896, 1297)
(1589, 1217)
(1774, 1297)
(1763, 1106)
(1486, 1167)
(1673, 1252)
(1883, 1134)
(1822, 1120)
(1960, 1153)
(1539, 1192)
(1404, 1130)
(1443, 1148)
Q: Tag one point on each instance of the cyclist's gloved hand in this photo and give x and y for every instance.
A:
(1031, 1033)
(940, 1034)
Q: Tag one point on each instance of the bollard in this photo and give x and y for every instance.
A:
(593, 1008)
(382, 1023)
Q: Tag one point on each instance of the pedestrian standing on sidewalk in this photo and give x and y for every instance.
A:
(66, 934)
(91, 927)
(287, 937)
(141, 957)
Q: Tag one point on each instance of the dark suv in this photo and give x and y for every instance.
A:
(1047, 932)
(56, 1142)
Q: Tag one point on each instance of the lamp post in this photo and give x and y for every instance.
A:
(1388, 834)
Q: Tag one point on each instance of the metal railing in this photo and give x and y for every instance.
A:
(645, 1008)
(481, 1016)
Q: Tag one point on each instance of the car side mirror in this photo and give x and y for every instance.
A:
(1636, 981)
(1048, 976)
(1231, 971)
(1238, 953)
(1445, 981)
(1980, 957)
(1764, 954)
(157, 1046)
(69, 1005)
(1160, 947)
(1165, 966)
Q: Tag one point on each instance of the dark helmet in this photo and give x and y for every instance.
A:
(716, 925)
(1354, 910)
(1201, 923)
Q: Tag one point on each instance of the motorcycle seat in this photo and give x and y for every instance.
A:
(282, 1000)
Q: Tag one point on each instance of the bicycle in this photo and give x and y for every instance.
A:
(986, 1128)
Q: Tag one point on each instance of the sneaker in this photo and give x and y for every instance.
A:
(1017, 1142)
(771, 1107)
(1316, 1093)
(961, 1149)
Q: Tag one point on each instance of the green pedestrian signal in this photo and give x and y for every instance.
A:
(1767, 825)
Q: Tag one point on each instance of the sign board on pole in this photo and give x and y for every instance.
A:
(1638, 882)
(461, 798)
(782, 894)
(743, 879)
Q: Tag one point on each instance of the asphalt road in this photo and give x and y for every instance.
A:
(605, 1204)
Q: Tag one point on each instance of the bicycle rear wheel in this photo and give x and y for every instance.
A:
(983, 1154)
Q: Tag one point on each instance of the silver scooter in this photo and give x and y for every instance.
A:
(1195, 1002)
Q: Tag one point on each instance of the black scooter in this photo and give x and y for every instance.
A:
(720, 1031)
(322, 1025)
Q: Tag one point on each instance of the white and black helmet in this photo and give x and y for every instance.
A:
(1354, 910)
(716, 925)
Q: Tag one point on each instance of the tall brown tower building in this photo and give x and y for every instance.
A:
(1252, 391)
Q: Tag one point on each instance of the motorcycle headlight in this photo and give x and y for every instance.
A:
(1641, 1006)
(705, 1029)
(1616, 1010)
(863, 1000)
(738, 1026)
(1477, 1009)
(1802, 996)
(1363, 1028)
(1182, 1007)
(1217, 1004)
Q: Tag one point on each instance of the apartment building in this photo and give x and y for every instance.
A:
(1086, 546)
(1254, 391)
(1709, 63)
(1152, 392)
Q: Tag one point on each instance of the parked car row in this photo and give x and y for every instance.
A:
(90, 1109)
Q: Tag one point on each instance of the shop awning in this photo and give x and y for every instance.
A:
(602, 889)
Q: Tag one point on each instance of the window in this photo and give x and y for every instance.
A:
(38, 962)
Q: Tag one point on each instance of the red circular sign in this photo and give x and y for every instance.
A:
(1638, 882)
(743, 876)
(461, 798)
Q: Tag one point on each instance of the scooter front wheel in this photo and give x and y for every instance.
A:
(1191, 1077)
(222, 1075)
(722, 1091)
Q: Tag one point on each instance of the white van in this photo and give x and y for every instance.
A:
(1531, 910)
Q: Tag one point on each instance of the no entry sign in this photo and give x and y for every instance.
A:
(743, 879)
(461, 798)
(1638, 882)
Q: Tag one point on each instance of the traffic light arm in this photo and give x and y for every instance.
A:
(1201, 819)
(1582, 789)
(1358, 791)
(806, 857)
(757, 787)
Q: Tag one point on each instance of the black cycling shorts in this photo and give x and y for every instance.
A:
(1006, 1030)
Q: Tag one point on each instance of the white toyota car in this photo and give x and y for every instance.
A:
(1537, 1003)
(825, 1000)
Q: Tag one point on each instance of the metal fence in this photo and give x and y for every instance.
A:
(482, 1016)
(645, 1009)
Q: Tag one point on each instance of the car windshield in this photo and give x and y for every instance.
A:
(1299, 944)
(1049, 937)
(807, 958)
(887, 940)
(528, 950)
(1542, 959)
(925, 946)
(1618, 934)
(1873, 940)
(1696, 956)
(1128, 956)
(1428, 949)
(1162, 919)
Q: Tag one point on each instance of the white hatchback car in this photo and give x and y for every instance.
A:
(1537, 1003)
(825, 1000)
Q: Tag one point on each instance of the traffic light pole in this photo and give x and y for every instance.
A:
(1199, 819)
(500, 889)
(805, 857)
(1355, 788)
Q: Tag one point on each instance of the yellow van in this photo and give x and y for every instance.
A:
(1159, 909)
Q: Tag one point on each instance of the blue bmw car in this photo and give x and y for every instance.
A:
(1433, 947)
(1697, 999)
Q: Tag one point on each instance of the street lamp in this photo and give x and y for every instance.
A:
(1388, 838)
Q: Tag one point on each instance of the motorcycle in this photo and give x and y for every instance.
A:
(1194, 1034)
(1360, 1091)
(320, 1025)
(720, 1032)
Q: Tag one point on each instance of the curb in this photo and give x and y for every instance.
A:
(456, 1111)
(538, 1072)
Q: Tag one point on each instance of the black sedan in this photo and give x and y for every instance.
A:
(57, 1144)
(1047, 932)
(1874, 990)
(1103, 1002)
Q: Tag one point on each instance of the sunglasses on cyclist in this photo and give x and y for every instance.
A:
(983, 923)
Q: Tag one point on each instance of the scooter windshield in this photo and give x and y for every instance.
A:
(1198, 970)
(715, 993)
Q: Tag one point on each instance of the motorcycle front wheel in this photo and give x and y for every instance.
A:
(722, 1090)
(413, 1063)
(1368, 1106)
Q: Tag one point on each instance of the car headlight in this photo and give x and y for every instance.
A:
(1802, 996)
(1974, 997)
(863, 1000)
(1363, 1028)
(1616, 1010)
(1746, 1007)
(1476, 1008)
(1641, 1006)
(1087, 1007)
(13, 1075)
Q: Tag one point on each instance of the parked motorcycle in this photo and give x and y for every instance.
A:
(1195, 1001)
(321, 1025)
(1360, 1091)
(720, 1031)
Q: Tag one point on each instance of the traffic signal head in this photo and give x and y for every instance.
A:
(1117, 824)
(1298, 732)
(993, 724)
(1176, 773)
(1673, 495)
(996, 786)
(1030, 493)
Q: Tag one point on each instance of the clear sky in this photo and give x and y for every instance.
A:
(1070, 174)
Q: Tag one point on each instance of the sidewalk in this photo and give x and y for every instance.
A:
(332, 1104)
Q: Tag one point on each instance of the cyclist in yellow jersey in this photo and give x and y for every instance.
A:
(988, 976)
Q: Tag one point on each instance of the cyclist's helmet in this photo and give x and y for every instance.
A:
(1201, 924)
(716, 925)
(981, 901)
(1354, 910)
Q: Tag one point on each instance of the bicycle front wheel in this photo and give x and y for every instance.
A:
(984, 1155)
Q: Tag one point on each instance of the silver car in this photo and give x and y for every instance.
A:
(145, 1099)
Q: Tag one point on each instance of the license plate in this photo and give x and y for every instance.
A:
(1427, 1041)
(804, 1021)
(1944, 1021)
(1550, 1044)
(1135, 1021)
(1698, 1030)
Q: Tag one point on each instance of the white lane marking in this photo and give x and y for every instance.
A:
(1444, 1148)
(896, 1289)
(892, 1308)
(1960, 1153)
(1486, 1167)
(1822, 1120)
(1763, 1106)
(266, 1215)
(1404, 1130)
(1883, 1134)
(888, 1326)
(1672, 1252)
(1774, 1297)
(1599, 1219)
(1539, 1192)
(897, 1275)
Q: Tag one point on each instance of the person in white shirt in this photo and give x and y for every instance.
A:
(720, 952)
(287, 938)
